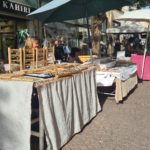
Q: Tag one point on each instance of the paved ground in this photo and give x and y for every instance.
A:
(119, 126)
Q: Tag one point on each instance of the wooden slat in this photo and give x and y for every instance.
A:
(35, 120)
(34, 133)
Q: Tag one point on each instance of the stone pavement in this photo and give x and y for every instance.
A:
(119, 126)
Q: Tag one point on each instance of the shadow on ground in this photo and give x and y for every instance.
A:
(103, 96)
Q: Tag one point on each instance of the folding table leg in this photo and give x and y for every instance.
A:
(41, 129)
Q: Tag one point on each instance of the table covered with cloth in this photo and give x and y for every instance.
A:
(123, 76)
(68, 104)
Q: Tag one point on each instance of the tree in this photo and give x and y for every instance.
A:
(96, 33)
(142, 2)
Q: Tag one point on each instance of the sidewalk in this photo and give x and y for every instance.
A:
(119, 126)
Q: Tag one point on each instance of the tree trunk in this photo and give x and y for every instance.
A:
(96, 33)
(109, 15)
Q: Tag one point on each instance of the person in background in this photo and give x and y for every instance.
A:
(32, 42)
(148, 45)
(109, 46)
(75, 52)
(36, 43)
(117, 46)
(67, 51)
(45, 43)
(58, 52)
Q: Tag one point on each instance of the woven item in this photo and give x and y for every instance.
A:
(53, 73)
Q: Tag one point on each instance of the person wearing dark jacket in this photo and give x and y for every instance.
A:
(117, 47)
(59, 52)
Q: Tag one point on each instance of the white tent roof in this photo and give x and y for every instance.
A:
(136, 15)
(131, 27)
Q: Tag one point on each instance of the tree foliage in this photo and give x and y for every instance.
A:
(143, 2)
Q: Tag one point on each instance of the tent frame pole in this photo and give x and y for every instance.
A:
(145, 52)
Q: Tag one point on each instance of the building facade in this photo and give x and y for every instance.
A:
(15, 26)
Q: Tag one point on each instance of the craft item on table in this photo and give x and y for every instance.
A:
(51, 71)
(16, 78)
(85, 58)
(108, 64)
(41, 83)
(22, 78)
(44, 76)
(9, 76)
(104, 69)
(104, 78)
(123, 62)
(67, 73)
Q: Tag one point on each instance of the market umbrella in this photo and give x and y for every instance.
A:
(57, 11)
(63, 10)
(138, 15)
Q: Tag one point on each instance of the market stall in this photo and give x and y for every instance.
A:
(141, 15)
(68, 100)
(122, 75)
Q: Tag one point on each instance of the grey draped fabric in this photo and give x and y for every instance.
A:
(68, 105)
(15, 115)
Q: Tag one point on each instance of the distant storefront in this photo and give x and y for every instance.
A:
(14, 25)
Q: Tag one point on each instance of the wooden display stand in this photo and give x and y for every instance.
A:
(28, 58)
(14, 58)
(40, 57)
(46, 56)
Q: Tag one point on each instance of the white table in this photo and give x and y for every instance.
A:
(124, 78)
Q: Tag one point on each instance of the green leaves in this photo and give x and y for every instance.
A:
(143, 2)
(22, 36)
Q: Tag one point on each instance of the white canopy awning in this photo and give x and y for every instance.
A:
(127, 28)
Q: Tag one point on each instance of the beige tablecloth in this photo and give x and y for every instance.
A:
(124, 87)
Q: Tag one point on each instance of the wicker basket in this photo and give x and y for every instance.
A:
(85, 58)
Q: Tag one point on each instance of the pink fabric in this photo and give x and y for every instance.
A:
(138, 59)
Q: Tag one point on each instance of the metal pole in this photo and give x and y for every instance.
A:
(145, 51)
(41, 127)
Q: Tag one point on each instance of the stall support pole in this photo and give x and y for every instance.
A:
(145, 51)
(41, 128)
